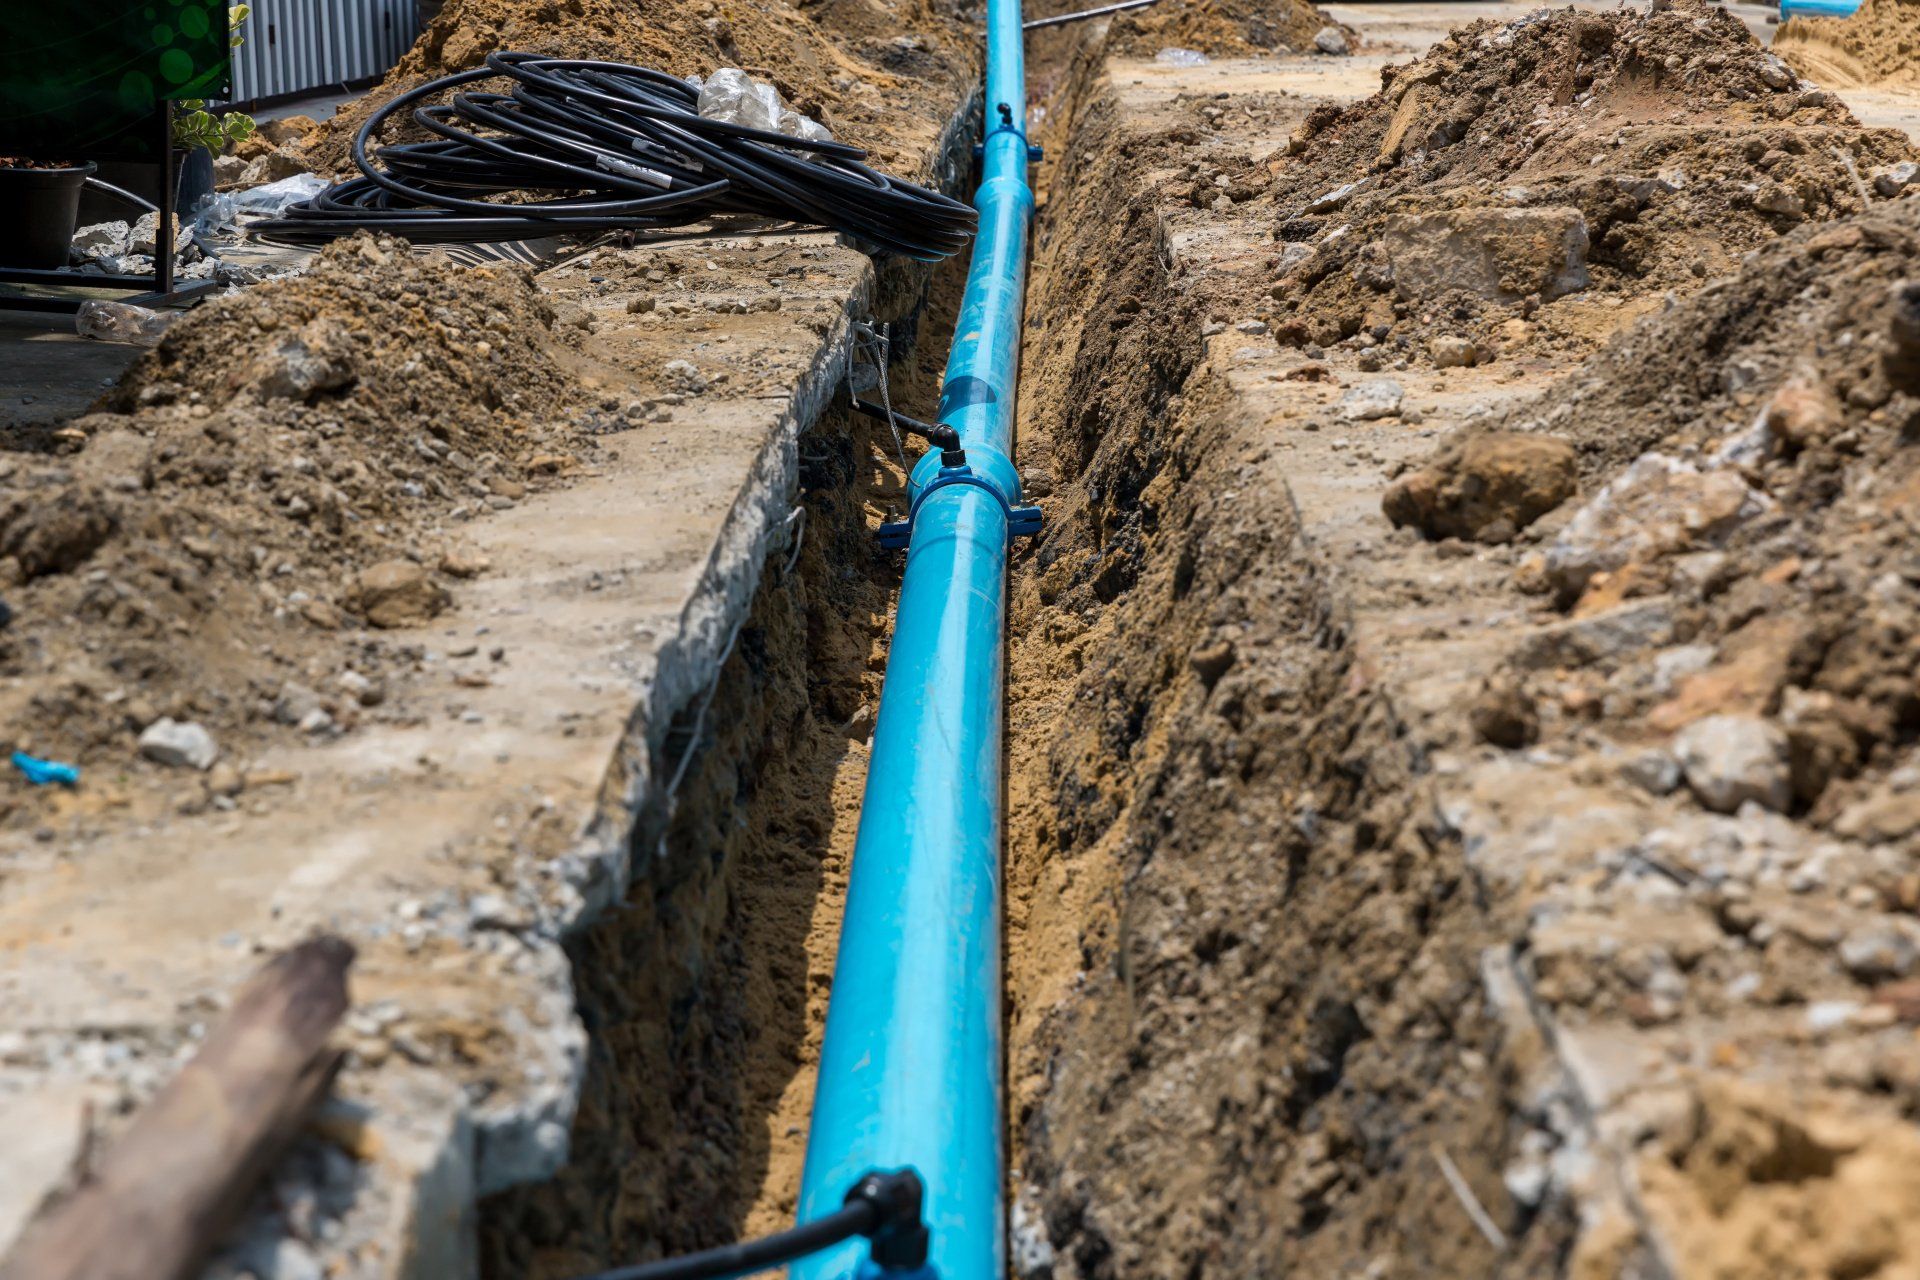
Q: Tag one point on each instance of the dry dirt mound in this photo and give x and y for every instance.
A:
(177, 553)
(1750, 475)
(1879, 44)
(859, 66)
(1631, 154)
(1222, 28)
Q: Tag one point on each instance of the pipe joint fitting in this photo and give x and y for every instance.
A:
(985, 468)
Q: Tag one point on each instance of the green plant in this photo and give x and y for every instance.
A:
(195, 126)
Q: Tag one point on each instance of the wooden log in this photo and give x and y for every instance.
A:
(158, 1200)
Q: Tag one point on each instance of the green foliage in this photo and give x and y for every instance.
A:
(195, 126)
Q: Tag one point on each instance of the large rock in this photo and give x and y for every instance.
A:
(1657, 506)
(398, 593)
(1503, 255)
(179, 744)
(1491, 483)
(1729, 760)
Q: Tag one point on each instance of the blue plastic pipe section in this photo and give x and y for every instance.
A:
(910, 1070)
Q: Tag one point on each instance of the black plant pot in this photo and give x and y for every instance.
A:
(38, 208)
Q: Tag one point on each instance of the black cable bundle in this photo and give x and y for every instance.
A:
(614, 148)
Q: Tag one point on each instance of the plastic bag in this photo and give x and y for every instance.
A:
(1174, 56)
(273, 199)
(733, 96)
(120, 322)
(214, 213)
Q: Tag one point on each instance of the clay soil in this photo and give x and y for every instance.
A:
(1878, 45)
(1682, 144)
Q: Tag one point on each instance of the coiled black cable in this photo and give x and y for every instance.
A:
(582, 147)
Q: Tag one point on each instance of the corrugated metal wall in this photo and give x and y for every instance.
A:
(298, 46)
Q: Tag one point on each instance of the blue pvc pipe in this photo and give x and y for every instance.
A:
(910, 1070)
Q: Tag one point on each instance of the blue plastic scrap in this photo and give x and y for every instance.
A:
(43, 773)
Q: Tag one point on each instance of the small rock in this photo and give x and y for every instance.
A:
(1803, 412)
(683, 377)
(1731, 759)
(1774, 73)
(1375, 398)
(1453, 353)
(640, 305)
(458, 562)
(225, 780)
(1331, 40)
(1253, 328)
(179, 744)
(1338, 197)
(1892, 181)
(1654, 771)
(1772, 197)
(1884, 947)
(398, 593)
(304, 365)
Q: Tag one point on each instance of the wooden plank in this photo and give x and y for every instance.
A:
(158, 1199)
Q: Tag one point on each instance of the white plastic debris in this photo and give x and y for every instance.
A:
(1172, 56)
(733, 96)
(121, 322)
(274, 198)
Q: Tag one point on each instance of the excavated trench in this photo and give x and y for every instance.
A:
(1246, 1026)
(1245, 1023)
(705, 993)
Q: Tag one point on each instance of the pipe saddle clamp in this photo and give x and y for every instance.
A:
(1022, 521)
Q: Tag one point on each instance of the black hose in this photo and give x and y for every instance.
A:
(884, 1207)
(938, 434)
(581, 147)
(124, 194)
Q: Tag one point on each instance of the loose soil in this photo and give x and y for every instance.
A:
(1876, 46)
(1682, 144)
(1220, 28)
(189, 549)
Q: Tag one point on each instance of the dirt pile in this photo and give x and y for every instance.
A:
(1591, 155)
(179, 552)
(1749, 468)
(1223, 28)
(1879, 44)
(861, 67)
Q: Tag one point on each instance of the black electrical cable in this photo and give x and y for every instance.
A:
(938, 434)
(582, 147)
(884, 1207)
